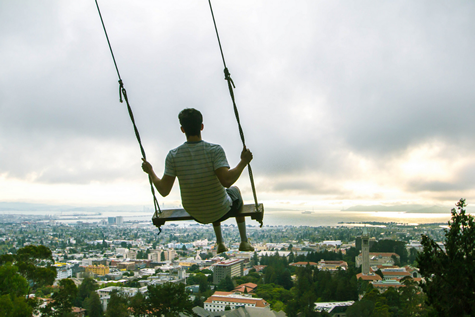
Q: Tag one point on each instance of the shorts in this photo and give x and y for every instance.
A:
(236, 198)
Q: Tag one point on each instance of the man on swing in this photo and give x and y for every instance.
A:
(205, 179)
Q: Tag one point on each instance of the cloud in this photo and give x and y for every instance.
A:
(355, 101)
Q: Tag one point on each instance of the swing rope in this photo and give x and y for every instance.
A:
(123, 94)
(231, 86)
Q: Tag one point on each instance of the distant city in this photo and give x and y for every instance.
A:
(130, 256)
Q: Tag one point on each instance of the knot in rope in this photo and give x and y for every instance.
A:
(227, 76)
(121, 90)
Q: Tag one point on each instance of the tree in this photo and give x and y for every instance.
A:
(411, 298)
(451, 271)
(387, 245)
(35, 264)
(93, 305)
(138, 305)
(62, 303)
(226, 284)
(87, 286)
(11, 282)
(169, 299)
(11, 306)
(117, 306)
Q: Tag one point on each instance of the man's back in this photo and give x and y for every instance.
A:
(202, 194)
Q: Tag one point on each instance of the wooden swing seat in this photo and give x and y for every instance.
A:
(180, 214)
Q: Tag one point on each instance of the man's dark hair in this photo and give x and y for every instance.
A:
(191, 120)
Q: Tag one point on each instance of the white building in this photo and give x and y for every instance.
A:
(63, 270)
(104, 293)
(220, 300)
(330, 306)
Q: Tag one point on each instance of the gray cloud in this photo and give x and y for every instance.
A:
(317, 84)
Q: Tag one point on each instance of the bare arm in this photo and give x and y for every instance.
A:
(227, 177)
(163, 185)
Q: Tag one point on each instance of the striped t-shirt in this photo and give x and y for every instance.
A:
(202, 194)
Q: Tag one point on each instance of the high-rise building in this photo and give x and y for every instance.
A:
(119, 220)
(365, 251)
(229, 268)
(111, 220)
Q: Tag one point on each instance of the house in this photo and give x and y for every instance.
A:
(246, 288)
(332, 265)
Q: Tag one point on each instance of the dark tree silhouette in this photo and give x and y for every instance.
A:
(450, 271)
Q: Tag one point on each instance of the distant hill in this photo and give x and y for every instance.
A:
(384, 208)
(413, 208)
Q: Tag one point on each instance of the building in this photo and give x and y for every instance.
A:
(169, 254)
(378, 258)
(63, 271)
(383, 286)
(104, 293)
(246, 288)
(368, 277)
(119, 220)
(220, 300)
(229, 268)
(128, 266)
(397, 273)
(334, 309)
(97, 269)
(111, 220)
(155, 255)
(239, 312)
(332, 265)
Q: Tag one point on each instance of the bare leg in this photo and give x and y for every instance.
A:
(217, 232)
(219, 237)
(241, 223)
(245, 245)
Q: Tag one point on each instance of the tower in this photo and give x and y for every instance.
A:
(365, 251)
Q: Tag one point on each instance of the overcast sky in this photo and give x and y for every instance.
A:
(341, 102)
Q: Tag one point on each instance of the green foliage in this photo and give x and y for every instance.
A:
(398, 247)
(62, 300)
(138, 305)
(451, 271)
(275, 295)
(93, 305)
(252, 277)
(11, 306)
(168, 299)
(11, 282)
(405, 301)
(117, 306)
(87, 286)
(226, 284)
(194, 269)
(28, 260)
